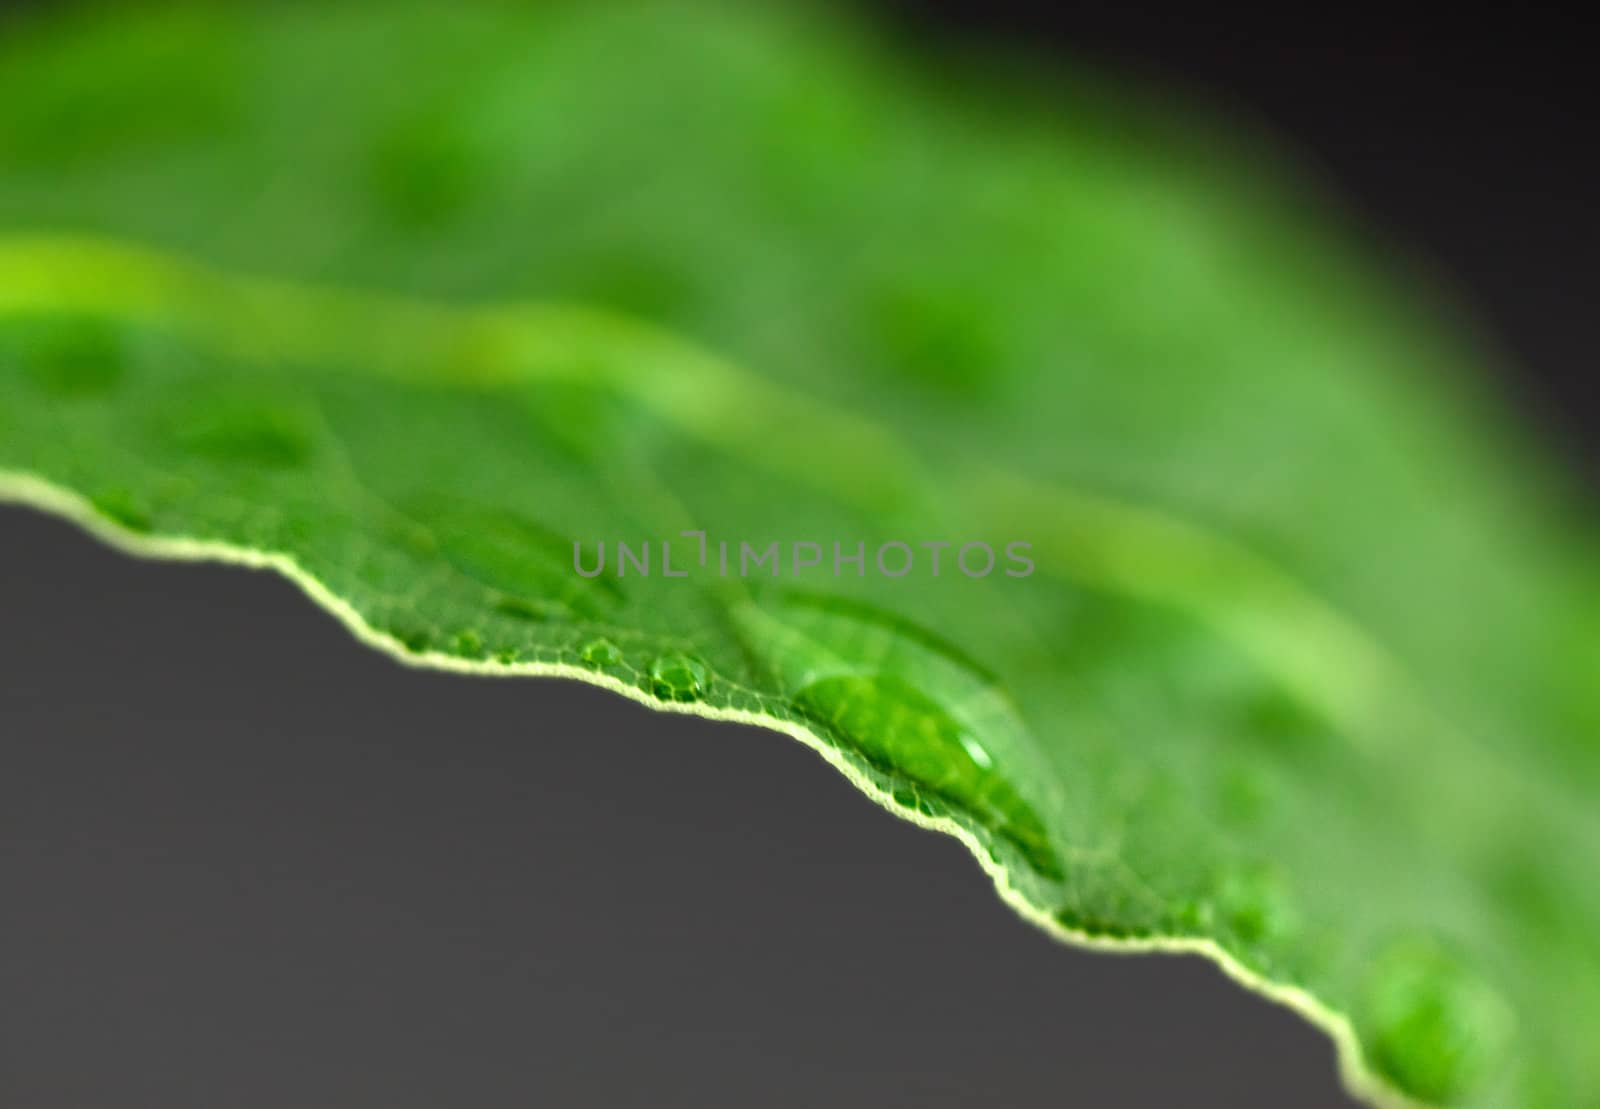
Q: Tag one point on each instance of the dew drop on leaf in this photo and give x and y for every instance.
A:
(1255, 903)
(600, 652)
(467, 644)
(678, 677)
(1436, 1027)
(900, 730)
(975, 751)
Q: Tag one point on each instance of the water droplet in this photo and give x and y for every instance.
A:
(862, 673)
(467, 644)
(1193, 916)
(975, 750)
(906, 734)
(1255, 904)
(1436, 1028)
(1092, 923)
(678, 677)
(600, 652)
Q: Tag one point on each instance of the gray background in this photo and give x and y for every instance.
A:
(245, 862)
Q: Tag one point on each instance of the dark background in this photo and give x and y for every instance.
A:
(245, 862)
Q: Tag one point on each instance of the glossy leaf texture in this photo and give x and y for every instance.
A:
(406, 302)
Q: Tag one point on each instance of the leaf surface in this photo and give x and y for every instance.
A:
(1296, 662)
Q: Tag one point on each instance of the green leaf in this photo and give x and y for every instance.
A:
(1297, 663)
